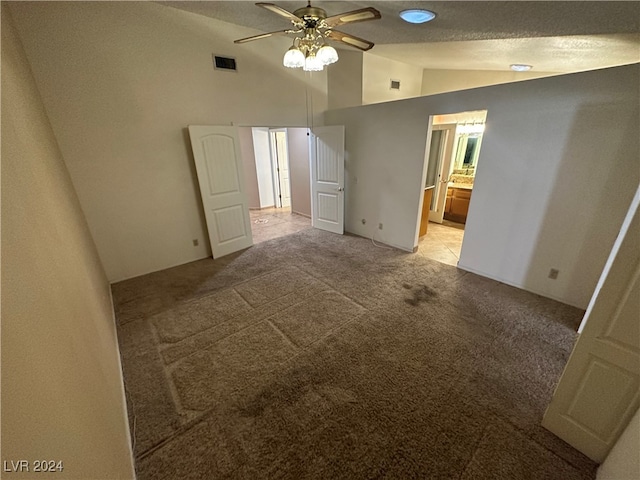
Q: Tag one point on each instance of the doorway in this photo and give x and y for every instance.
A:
(451, 161)
(277, 179)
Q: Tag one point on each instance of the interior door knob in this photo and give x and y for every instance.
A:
(340, 189)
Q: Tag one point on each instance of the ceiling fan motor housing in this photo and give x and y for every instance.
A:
(312, 13)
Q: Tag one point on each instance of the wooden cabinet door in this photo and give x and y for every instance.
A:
(447, 203)
(459, 207)
(457, 204)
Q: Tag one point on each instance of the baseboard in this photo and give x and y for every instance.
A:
(389, 245)
(111, 282)
(466, 268)
(301, 214)
(124, 388)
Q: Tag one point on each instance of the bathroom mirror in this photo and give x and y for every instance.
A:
(467, 151)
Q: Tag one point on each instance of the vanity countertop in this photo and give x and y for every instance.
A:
(465, 186)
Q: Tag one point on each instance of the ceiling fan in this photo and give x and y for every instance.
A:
(310, 50)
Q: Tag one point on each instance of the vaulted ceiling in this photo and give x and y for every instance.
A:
(553, 36)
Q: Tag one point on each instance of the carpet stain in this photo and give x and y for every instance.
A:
(421, 294)
(278, 392)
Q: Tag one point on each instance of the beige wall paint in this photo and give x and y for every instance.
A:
(345, 81)
(440, 81)
(623, 462)
(245, 136)
(299, 172)
(62, 388)
(557, 170)
(120, 82)
(378, 72)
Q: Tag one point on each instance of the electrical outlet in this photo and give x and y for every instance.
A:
(553, 273)
(379, 226)
(364, 221)
(195, 242)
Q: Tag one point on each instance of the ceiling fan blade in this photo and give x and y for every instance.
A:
(280, 11)
(262, 35)
(350, 40)
(361, 15)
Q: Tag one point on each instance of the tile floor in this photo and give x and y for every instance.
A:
(442, 242)
(270, 223)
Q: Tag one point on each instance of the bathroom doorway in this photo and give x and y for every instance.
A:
(451, 161)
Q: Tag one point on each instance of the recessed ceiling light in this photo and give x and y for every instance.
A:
(518, 67)
(417, 15)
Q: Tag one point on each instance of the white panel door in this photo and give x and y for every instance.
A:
(599, 390)
(216, 152)
(326, 150)
(443, 145)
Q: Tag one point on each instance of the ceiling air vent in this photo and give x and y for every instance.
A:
(224, 63)
(395, 85)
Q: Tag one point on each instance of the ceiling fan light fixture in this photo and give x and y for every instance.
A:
(519, 67)
(327, 55)
(417, 15)
(293, 58)
(312, 64)
(312, 27)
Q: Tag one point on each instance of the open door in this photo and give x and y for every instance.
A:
(599, 390)
(439, 156)
(216, 152)
(326, 151)
(280, 165)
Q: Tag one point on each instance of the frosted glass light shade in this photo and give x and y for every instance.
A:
(294, 58)
(417, 15)
(312, 64)
(327, 55)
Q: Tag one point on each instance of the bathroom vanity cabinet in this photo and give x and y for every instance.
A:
(457, 203)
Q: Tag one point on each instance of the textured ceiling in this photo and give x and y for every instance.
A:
(547, 54)
(473, 35)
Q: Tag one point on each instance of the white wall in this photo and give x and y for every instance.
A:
(440, 81)
(377, 73)
(299, 171)
(62, 387)
(264, 172)
(623, 462)
(245, 136)
(120, 82)
(557, 171)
